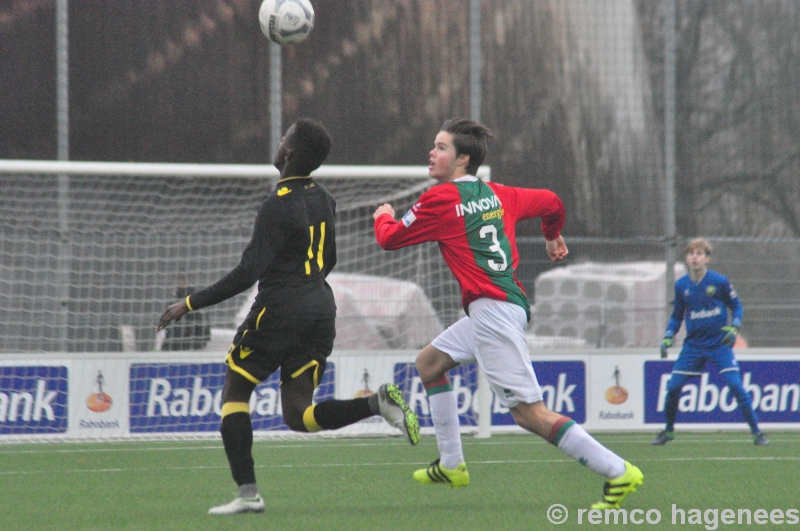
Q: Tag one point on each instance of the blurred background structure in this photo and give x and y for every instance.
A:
(655, 121)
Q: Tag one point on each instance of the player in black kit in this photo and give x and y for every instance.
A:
(291, 325)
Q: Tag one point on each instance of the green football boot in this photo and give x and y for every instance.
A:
(436, 473)
(615, 490)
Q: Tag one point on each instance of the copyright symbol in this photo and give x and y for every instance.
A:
(557, 514)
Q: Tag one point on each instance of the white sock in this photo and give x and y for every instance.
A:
(582, 447)
(444, 414)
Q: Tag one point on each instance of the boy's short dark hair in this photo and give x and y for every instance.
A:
(469, 138)
(312, 144)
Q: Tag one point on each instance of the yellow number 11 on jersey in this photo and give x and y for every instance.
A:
(320, 247)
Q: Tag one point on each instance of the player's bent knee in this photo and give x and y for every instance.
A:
(294, 421)
(432, 363)
(295, 416)
(742, 396)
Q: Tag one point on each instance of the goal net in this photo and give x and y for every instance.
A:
(94, 252)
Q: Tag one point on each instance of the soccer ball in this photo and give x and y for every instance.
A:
(286, 21)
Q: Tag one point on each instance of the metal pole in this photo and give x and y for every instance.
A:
(62, 143)
(62, 79)
(275, 98)
(475, 60)
(669, 150)
(484, 391)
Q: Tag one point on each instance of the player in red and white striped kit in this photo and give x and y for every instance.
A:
(474, 224)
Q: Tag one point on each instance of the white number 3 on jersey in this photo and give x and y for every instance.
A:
(495, 248)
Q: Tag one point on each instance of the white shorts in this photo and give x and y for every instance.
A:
(494, 336)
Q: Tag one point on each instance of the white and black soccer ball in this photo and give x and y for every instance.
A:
(286, 21)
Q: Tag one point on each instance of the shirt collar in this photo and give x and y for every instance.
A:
(294, 178)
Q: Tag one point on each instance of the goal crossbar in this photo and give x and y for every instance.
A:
(50, 167)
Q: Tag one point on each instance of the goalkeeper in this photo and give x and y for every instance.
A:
(704, 297)
(291, 325)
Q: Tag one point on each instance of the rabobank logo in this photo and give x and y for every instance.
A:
(705, 313)
(774, 388)
(616, 394)
(173, 397)
(100, 401)
(33, 399)
(563, 385)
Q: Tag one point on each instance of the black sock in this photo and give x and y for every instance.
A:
(374, 405)
(333, 414)
(237, 437)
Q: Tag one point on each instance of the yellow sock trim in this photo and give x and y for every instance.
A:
(309, 421)
(235, 407)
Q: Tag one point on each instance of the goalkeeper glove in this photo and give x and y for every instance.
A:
(731, 332)
(665, 344)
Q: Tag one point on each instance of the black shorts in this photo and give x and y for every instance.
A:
(263, 344)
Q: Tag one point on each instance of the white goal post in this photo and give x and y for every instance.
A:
(159, 169)
(94, 251)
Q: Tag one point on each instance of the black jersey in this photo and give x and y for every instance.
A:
(292, 250)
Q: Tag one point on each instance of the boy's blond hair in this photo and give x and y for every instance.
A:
(701, 244)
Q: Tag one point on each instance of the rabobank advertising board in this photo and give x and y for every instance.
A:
(774, 388)
(187, 397)
(93, 396)
(33, 399)
(563, 385)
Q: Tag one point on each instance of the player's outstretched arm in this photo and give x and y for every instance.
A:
(173, 313)
(556, 249)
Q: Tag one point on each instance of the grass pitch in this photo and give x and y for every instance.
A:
(365, 484)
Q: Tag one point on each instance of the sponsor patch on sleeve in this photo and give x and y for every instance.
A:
(409, 218)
